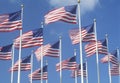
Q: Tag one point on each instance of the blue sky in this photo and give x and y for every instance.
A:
(106, 13)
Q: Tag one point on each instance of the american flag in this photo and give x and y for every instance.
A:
(36, 75)
(66, 14)
(115, 70)
(48, 50)
(25, 64)
(87, 34)
(78, 71)
(90, 48)
(30, 39)
(112, 57)
(10, 22)
(69, 64)
(6, 52)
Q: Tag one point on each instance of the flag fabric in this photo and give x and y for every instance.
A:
(112, 57)
(25, 64)
(69, 64)
(115, 70)
(10, 22)
(78, 71)
(87, 33)
(90, 48)
(30, 39)
(48, 50)
(66, 14)
(6, 52)
(36, 75)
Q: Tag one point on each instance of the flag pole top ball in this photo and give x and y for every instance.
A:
(94, 20)
(78, 1)
(22, 6)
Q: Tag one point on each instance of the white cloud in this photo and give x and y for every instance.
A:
(86, 5)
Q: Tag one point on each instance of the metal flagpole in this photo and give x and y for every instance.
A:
(47, 71)
(97, 61)
(80, 34)
(41, 56)
(76, 69)
(31, 66)
(60, 39)
(118, 53)
(75, 76)
(41, 64)
(86, 72)
(13, 51)
(18, 81)
(110, 80)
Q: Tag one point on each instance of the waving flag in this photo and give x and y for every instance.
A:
(90, 48)
(36, 75)
(79, 70)
(25, 64)
(48, 50)
(66, 14)
(30, 39)
(69, 64)
(87, 34)
(6, 52)
(115, 70)
(112, 57)
(10, 22)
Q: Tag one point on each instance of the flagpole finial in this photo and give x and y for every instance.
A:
(22, 6)
(42, 24)
(46, 62)
(78, 1)
(60, 37)
(106, 35)
(74, 52)
(94, 20)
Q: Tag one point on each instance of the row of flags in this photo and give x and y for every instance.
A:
(13, 21)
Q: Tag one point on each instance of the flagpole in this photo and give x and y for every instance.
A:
(13, 51)
(31, 66)
(60, 39)
(41, 56)
(118, 53)
(81, 58)
(18, 81)
(86, 72)
(47, 71)
(97, 61)
(76, 69)
(110, 80)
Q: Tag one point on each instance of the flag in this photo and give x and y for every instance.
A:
(90, 48)
(36, 75)
(87, 33)
(48, 50)
(66, 14)
(115, 70)
(6, 52)
(10, 22)
(30, 39)
(112, 57)
(69, 64)
(78, 70)
(25, 64)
